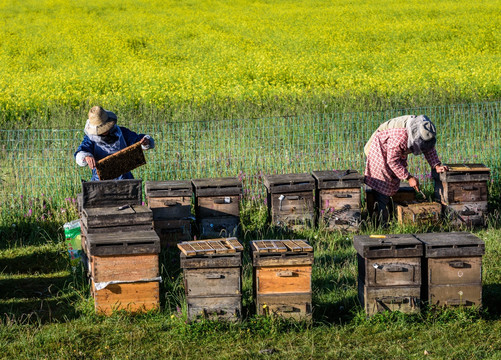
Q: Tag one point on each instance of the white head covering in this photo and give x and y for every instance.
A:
(421, 134)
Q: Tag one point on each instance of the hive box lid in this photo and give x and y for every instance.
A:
(217, 186)
(463, 172)
(210, 247)
(387, 246)
(289, 183)
(168, 188)
(111, 193)
(449, 244)
(330, 179)
(117, 216)
(278, 246)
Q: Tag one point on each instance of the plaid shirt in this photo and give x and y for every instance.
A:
(386, 164)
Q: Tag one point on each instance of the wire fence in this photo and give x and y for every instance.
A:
(35, 162)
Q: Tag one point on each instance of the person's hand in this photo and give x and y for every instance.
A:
(145, 141)
(441, 168)
(414, 183)
(91, 162)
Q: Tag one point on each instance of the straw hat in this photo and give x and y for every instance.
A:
(100, 121)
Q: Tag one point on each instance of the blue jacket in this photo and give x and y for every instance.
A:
(93, 145)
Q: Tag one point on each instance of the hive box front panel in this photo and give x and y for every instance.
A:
(133, 297)
(215, 308)
(406, 299)
(390, 271)
(291, 306)
(170, 208)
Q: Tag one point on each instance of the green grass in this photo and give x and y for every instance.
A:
(47, 312)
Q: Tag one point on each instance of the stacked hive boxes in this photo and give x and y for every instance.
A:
(212, 278)
(290, 200)
(463, 192)
(170, 202)
(217, 206)
(389, 272)
(452, 268)
(338, 199)
(282, 278)
(121, 246)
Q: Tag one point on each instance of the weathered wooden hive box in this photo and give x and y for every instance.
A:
(452, 268)
(389, 272)
(212, 278)
(405, 194)
(121, 246)
(338, 199)
(419, 213)
(463, 191)
(290, 200)
(120, 162)
(128, 282)
(170, 202)
(282, 278)
(217, 208)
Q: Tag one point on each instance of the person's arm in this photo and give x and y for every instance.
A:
(84, 155)
(131, 137)
(397, 145)
(432, 157)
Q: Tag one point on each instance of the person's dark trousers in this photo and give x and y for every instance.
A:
(381, 208)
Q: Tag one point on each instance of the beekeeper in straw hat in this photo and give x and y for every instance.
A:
(103, 137)
(387, 152)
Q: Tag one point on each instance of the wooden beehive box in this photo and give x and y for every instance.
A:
(338, 199)
(217, 208)
(124, 271)
(452, 268)
(212, 278)
(389, 272)
(133, 297)
(120, 162)
(117, 218)
(466, 214)
(170, 202)
(463, 190)
(405, 194)
(425, 213)
(122, 243)
(114, 205)
(282, 278)
(462, 183)
(290, 200)
(110, 193)
(135, 267)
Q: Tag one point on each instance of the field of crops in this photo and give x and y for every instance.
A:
(225, 59)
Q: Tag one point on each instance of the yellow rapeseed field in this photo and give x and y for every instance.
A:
(168, 53)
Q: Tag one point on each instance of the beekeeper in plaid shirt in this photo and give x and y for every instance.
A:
(104, 137)
(387, 152)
